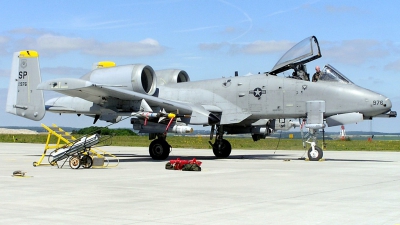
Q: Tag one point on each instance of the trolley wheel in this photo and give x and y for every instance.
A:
(86, 161)
(75, 162)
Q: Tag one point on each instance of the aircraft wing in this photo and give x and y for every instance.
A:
(98, 93)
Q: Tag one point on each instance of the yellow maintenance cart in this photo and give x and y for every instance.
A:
(79, 152)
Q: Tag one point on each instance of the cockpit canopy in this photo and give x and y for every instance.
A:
(305, 51)
(330, 74)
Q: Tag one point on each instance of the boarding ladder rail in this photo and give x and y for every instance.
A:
(79, 152)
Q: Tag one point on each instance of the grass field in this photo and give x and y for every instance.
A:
(201, 142)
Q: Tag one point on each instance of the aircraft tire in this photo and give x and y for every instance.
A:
(223, 149)
(159, 149)
(316, 155)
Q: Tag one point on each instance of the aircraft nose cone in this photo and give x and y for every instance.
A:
(388, 103)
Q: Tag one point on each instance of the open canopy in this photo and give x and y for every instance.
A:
(305, 51)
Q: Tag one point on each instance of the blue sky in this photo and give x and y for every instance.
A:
(207, 38)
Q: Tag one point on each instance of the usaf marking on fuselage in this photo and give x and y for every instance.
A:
(257, 92)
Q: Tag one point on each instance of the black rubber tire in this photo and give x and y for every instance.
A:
(86, 161)
(315, 157)
(159, 149)
(223, 149)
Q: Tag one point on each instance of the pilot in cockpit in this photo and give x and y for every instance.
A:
(317, 74)
(300, 73)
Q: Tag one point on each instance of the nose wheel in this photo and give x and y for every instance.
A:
(315, 154)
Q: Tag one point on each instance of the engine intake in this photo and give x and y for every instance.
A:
(171, 76)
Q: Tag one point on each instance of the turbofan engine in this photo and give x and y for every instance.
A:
(138, 77)
(171, 76)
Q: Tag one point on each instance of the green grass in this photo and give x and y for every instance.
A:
(201, 142)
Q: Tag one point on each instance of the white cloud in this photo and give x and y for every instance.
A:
(58, 44)
(354, 52)
(394, 66)
(3, 40)
(145, 47)
(28, 31)
(340, 9)
(230, 30)
(4, 73)
(197, 29)
(3, 45)
(253, 48)
(265, 47)
(212, 46)
(50, 44)
(64, 71)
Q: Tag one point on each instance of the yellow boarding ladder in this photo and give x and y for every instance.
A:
(65, 139)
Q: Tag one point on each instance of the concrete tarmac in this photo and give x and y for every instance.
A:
(250, 187)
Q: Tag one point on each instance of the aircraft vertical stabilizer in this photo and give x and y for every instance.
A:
(23, 98)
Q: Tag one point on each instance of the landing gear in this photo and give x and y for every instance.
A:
(159, 149)
(221, 147)
(315, 154)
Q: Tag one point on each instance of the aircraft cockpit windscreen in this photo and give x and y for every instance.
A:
(330, 74)
(303, 52)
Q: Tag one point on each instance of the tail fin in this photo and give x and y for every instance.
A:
(23, 98)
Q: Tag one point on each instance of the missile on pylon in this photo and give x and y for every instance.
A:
(179, 129)
(146, 114)
(158, 115)
(152, 127)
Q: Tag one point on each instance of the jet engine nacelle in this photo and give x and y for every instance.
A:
(137, 77)
(171, 76)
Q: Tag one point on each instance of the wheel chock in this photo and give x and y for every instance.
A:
(19, 173)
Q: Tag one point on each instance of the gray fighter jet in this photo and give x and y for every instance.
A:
(164, 101)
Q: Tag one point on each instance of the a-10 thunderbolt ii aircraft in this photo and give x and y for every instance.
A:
(165, 101)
